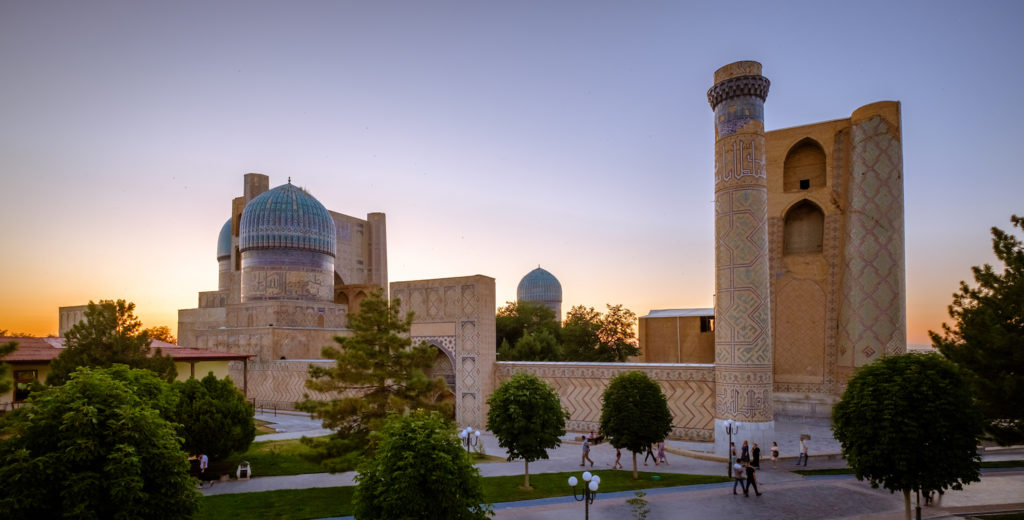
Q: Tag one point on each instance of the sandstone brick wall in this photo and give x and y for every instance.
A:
(689, 389)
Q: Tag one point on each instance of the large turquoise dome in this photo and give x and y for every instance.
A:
(224, 241)
(287, 217)
(539, 286)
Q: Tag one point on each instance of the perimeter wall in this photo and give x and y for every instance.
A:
(689, 389)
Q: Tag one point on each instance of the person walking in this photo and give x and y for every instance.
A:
(732, 452)
(755, 457)
(650, 453)
(737, 474)
(661, 453)
(803, 452)
(586, 453)
(775, 454)
(751, 481)
(745, 453)
(204, 462)
(618, 459)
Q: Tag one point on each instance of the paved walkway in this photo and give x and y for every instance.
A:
(786, 494)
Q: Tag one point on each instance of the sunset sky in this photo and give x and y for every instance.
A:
(496, 136)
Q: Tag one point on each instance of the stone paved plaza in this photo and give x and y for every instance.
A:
(785, 494)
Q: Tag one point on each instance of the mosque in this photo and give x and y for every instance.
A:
(809, 278)
(542, 287)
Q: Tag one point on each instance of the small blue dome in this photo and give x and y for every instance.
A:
(224, 241)
(539, 286)
(287, 217)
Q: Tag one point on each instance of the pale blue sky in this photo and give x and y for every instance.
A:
(496, 136)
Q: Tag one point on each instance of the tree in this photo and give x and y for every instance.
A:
(376, 370)
(909, 423)
(518, 319)
(538, 345)
(162, 333)
(110, 333)
(5, 350)
(5, 333)
(419, 470)
(93, 448)
(589, 335)
(527, 418)
(215, 418)
(987, 337)
(634, 413)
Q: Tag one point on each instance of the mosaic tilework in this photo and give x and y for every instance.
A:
(689, 390)
(743, 352)
(872, 322)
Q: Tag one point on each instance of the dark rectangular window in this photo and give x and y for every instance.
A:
(707, 323)
(805, 184)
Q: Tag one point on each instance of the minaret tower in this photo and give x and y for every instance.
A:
(743, 337)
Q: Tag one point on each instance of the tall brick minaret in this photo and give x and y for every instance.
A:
(743, 338)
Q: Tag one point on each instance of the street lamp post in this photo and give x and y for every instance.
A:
(470, 437)
(589, 491)
(731, 427)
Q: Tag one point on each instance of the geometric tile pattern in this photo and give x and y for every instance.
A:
(457, 301)
(689, 390)
(743, 352)
(872, 322)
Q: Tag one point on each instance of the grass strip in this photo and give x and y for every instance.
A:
(848, 471)
(270, 458)
(300, 504)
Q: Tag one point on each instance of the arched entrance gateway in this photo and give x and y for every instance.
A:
(456, 315)
(444, 367)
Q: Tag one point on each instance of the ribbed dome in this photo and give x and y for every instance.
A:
(224, 241)
(287, 217)
(539, 286)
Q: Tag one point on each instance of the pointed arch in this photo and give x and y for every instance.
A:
(804, 229)
(805, 166)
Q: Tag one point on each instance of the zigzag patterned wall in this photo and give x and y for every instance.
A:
(689, 389)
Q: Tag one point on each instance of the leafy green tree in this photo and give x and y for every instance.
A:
(909, 423)
(377, 370)
(215, 418)
(419, 471)
(538, 345)
(5, 381)
(527, 418)
(109, 334)
(987, 337)
(634, 413)
(518, 319)
(5, 333)
(93, 448)
(162, 333)
(589, 335)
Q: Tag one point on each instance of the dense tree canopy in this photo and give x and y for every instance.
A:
(527, 418)
(162, 333)
(377, 370)
(909, 423)
(589, 335)
(95, 448)
(5, 380)
(634, 413)
(110, 333)
(530, 331)
(986, 338)
(215, 418)
(419, 471)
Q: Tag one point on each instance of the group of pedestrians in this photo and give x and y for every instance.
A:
(588, 440)
(744, 468)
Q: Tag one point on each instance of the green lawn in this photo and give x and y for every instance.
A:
(301, 504)
(848, 471)
(268, 458)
